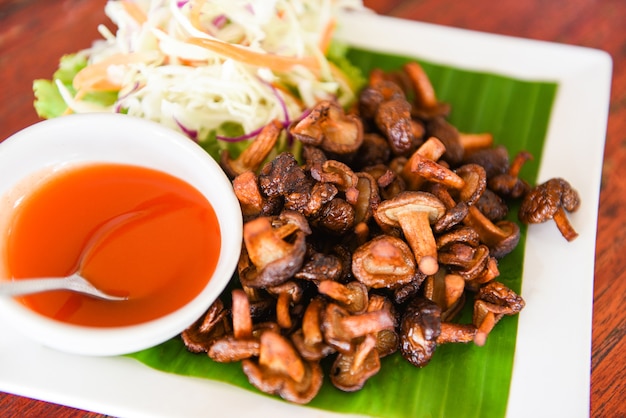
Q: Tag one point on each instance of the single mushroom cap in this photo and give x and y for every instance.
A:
(419, 329)
(393, 118)
(448, 134)
(462, 234)
(213, 325)
(475, 183)
(319, 266)
(368, 197)
(336, 217)
(494, 160)
(550, 200)
(267, 258)
(492, 206)
(328, 127)
(414, 212)
(384, 262)
(339, 174)
(374, 150)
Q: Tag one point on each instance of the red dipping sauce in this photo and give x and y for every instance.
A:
(139, 232)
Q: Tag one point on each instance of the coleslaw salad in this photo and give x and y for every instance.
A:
(217, 71)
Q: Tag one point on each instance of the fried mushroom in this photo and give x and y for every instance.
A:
(350, 371)
(280, 370)
(493, 301)
(550, 200)
(328, 127)
(253, 156)
(419, 329)
(414, 212)
(509, 184)
(272, 259)
(213, 325)
(384, 262)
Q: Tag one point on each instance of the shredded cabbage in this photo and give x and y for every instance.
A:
(202, 66)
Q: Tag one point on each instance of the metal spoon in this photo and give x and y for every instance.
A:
(75, 282)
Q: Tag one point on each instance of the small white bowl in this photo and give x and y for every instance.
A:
(77, 139)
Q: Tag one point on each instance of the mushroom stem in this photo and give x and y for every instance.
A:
(432, 149)
(518, 162)
(251, 158)
(484, 328)
(562, 222)
(489, 233)
(283, 317)
(242, 321)
(429, 170)
(456, 333)
(362, 351)
(420, 239)
(366, 323)
(473, 142)
(455, 284)
(424, 92)
(311, 323)
(248, 194)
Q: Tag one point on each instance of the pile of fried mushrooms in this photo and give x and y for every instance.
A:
(372, 244)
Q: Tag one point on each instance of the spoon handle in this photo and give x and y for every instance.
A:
(74, 282)
(28, 286)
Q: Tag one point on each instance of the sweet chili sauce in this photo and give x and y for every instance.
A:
(139, 232)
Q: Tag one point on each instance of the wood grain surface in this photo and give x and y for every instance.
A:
(35, 33)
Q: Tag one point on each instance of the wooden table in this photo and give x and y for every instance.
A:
(35, 33)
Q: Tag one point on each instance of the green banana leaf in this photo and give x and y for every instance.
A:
(462, 380)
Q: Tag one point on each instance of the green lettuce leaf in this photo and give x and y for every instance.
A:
(462, 380)
(48, 101)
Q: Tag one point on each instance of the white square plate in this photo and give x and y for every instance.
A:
(551, 373)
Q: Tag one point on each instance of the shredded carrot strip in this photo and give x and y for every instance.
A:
(327, 35)
(191, 62)
(94, 77)
(274, 62)
(134, 11)
(194, 14)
